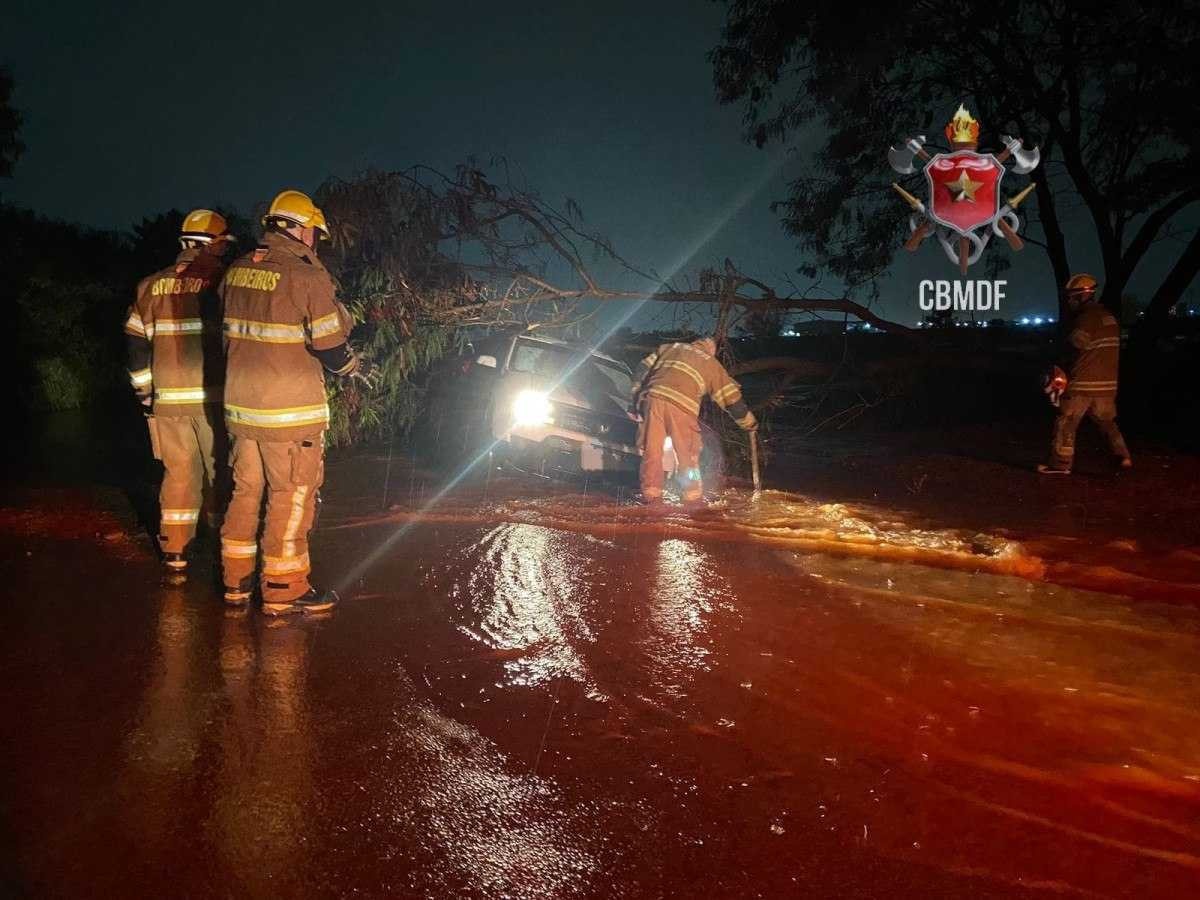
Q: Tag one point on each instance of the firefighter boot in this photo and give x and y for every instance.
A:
(1053, 469)
(313, 601)
(286, 608)
(239, 595)
(175, 568)
(317, 601)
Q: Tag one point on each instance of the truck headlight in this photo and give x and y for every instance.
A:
(531, 408)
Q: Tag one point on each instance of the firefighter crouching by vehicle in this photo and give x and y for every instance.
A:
(283, 325)
(668, 388)
(1091, 382)
(173, 333)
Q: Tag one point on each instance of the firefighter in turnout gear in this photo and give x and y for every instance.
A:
(668, 388)
(283, 327)
(173, 332)
(1091, 390)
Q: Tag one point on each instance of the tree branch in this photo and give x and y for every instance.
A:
(1181, 275)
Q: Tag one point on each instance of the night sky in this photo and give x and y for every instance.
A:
(135, 108)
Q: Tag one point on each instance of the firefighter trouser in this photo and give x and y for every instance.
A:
(662, 420)
(186, 447)
(290, 473)
(1102, 410)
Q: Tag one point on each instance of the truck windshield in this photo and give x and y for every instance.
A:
(586, 374)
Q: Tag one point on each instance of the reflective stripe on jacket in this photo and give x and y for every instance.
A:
(173, 332)
(683, 374)
(279, 310)
(1096, 338)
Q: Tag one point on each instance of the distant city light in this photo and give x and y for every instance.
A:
(1037, 320)
(1024, 320)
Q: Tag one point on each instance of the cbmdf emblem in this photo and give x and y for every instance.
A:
(965, 205)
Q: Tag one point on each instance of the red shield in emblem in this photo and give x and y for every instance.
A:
(964, 189)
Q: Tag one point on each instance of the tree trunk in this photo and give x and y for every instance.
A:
(1171, 290)
(1116, 278)
(1056, 243)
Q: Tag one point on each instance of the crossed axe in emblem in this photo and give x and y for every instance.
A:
(970, 246)
(901, 158)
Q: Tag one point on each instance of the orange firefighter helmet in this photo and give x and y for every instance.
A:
(1083, 283)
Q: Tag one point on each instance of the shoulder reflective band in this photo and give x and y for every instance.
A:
(141, 377)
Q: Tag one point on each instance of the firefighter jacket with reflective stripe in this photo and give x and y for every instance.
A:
(1096, 339)
(281, 322)
(173, 332)
(682, 374)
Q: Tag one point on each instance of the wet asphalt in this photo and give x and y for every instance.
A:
(543, 693)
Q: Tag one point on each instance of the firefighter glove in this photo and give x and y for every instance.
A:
(366, 375)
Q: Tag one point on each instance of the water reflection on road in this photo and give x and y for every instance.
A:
(946, 707)
(564, 696)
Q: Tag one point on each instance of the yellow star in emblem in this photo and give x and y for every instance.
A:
(964, 188)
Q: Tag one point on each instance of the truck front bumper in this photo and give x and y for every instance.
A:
(570, 451)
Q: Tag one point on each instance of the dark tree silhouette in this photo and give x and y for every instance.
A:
(155, 240)
(10, 126)
(65, 290)
(1107, 90)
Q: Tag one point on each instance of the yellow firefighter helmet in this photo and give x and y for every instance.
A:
(1081, 282)
(298, 209)
(203, 226)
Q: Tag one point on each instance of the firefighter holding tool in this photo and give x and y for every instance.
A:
(1090, 388)
(668, 388)
(284, 328)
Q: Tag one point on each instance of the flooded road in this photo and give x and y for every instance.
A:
(553, 694)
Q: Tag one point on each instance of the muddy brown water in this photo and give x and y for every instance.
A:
(546, 693)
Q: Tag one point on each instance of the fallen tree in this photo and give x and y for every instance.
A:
(423, 255)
